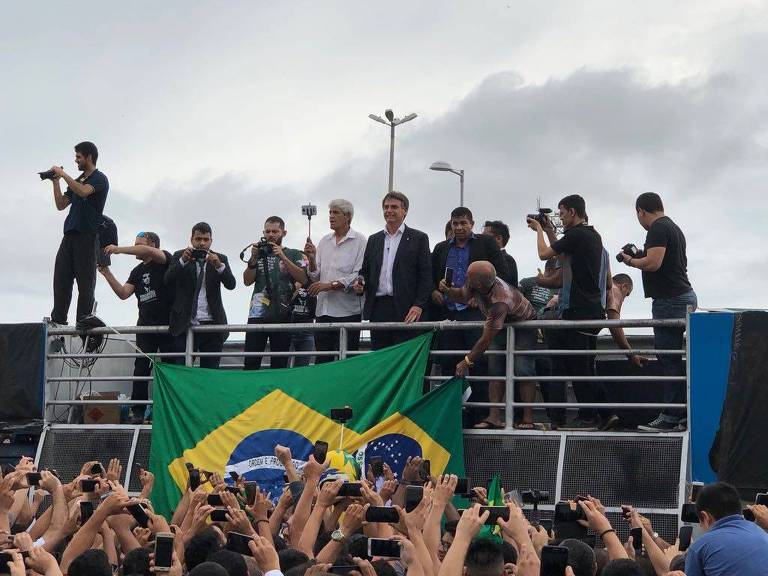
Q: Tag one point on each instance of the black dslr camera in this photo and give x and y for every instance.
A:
(542, 216)
(564, 512)
(534, 497)
(630, 250)
(264, 248)
(48, 174)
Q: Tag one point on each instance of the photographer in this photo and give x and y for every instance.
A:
(664, 265)
(154, 299)
(333, 267)
(272, 270)
(196, 275)
(580, 251)
(76, 257)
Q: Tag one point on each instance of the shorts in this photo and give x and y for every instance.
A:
(525, 366)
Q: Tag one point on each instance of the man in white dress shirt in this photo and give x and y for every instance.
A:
(333, 268)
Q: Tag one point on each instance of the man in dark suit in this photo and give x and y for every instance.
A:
(457, 254)
(499, 231)
(396, 275)
(196, 275)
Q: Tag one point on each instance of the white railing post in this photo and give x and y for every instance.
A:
(509, 378)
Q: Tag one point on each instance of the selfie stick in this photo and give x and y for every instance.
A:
(309, 210)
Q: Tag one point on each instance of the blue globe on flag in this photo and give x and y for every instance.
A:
(394, 450)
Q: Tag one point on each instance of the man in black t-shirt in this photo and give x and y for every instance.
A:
(154, 298)
(76, 257)
(665, 280)
(580, 251)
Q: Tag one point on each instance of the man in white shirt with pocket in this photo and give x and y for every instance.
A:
(333, 268)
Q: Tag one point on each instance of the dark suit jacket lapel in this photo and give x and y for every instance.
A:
(400, 247)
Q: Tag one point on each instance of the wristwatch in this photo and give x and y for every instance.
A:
(338, 536)
(335, 285)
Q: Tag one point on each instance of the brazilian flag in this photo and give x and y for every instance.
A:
(223, 421)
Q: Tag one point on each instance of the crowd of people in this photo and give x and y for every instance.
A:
(393, 276)
(389, 525)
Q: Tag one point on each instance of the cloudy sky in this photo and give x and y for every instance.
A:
(232, 111)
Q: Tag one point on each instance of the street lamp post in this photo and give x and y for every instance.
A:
(446, 167)
(391, 121)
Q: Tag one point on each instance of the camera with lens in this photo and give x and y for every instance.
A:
(630, 250)
(534, 497)
(542, 216)
(48, 174)
(264, 248)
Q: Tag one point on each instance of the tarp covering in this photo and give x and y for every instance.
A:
(739, 454)
(22, 348)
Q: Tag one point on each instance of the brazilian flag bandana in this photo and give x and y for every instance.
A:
(223, 421)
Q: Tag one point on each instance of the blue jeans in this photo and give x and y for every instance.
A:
(302, 341)
(672, 339)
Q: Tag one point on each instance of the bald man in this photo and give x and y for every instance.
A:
(500, 303)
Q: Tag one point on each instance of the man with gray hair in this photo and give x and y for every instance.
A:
(333, 266)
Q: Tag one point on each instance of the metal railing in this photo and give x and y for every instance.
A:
(510, 378)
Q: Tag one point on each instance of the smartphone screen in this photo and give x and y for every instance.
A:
(554, 559)
(695, 488)
(5, 557)
(426, 469)
(234, 475)
(33, 478)
(139, 514)
(320, 451)
(350, 490)
(237, 542)
(88, 485)
(194, 479)
(496, 512)
(761, 499)
(378, 547)
(462, 487)
(547, 525)
(341, 414)
(689, 513)
(163, 551)
(250, 492)
(448, 276)
(97, 468)
(215, 500)
(86, 511)
(685, 537)
(637, 540)
(382, 514)
(219, 515)
(377, 466)
(413, 495)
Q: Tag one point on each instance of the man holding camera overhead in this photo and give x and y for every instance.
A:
(76, 257)
(196, 275)
(272, 270)
(665, 280)
(580, 251)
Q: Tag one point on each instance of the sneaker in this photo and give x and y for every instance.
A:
(682, 426)
(577, 424)
(610, 423)
(661, 424)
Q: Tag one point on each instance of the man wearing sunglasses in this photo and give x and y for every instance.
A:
(154, 300)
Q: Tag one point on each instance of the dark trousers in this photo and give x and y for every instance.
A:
(461, 340)
(147, 343)
(257, 342)
(330, 340)
(384, 311)
(672, 339)
(203, 342)
(551, 391)
(75, 261)
(579, 365)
